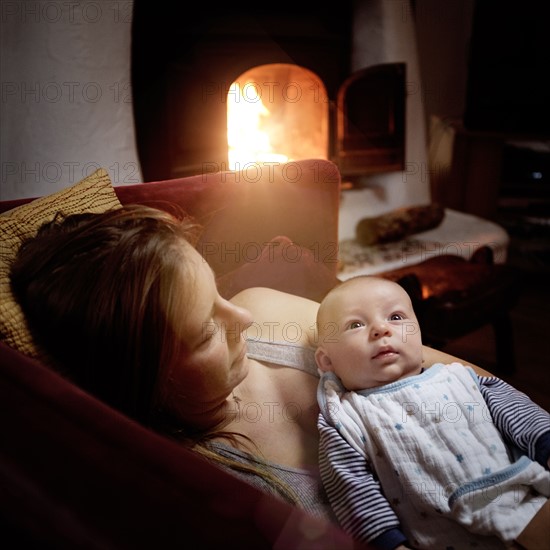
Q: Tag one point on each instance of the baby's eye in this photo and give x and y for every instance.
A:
(355, 324)
(396, 317)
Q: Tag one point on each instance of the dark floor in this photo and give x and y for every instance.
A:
(531, 326)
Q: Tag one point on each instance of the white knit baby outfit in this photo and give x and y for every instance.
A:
(442, 463)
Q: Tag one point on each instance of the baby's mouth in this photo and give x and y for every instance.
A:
(384, 351)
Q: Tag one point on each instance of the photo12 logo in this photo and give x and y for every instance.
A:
(66, 11)
(69, 92)
(67, 172)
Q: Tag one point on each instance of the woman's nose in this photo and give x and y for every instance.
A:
(244, 318)
(237, 319)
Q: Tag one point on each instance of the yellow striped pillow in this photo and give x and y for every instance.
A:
(93, 194)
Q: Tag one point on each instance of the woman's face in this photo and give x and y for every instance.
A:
(213, 360)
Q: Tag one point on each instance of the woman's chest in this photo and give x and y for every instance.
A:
(290, 393)
(280, 416)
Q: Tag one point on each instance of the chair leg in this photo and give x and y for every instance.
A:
(504, 340)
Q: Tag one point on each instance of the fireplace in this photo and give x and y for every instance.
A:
(277, 112)
(282, 74)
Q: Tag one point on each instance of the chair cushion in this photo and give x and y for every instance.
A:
(453, 296)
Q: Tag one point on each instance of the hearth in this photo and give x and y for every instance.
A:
(284, 72)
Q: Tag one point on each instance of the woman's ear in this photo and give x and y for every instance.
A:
(323, 360)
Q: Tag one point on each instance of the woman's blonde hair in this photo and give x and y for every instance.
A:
(102, 294)
(92, 288)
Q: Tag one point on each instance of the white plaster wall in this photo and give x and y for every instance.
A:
(384, 32)
(66, 97)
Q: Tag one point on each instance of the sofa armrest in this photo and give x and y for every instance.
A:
(77, 474)
(243, 211)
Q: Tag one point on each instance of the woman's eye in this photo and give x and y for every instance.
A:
(209, 329)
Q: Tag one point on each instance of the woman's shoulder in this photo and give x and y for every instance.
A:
(250, 296)
(279, 316)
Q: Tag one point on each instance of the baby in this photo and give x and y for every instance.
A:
(412, 457)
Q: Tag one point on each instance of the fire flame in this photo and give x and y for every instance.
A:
(247, 128)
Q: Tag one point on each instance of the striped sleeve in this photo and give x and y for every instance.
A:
(354, 493)
(521, 421)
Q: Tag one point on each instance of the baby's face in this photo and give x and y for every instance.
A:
(369, 334)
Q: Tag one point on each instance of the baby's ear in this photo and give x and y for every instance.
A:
(323, 360)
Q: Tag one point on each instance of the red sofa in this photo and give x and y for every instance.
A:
(76, 473)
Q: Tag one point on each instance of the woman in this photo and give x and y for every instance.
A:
(126, 307)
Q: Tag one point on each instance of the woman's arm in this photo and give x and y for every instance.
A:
(432, 356)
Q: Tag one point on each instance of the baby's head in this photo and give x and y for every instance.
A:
(368, 333)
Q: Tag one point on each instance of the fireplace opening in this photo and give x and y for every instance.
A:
(277, 112)
(191, 77)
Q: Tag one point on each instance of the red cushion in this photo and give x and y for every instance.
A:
(281, 265)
